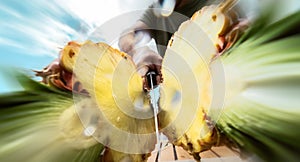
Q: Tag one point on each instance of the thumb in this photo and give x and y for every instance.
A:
(143, 70)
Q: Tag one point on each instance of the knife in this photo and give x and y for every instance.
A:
(154, 97)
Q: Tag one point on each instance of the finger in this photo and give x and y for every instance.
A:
(159, 75)
(154, 67)
(158, 79)
(151, 67)
(158, 69)
(145, 85)
(142, 70)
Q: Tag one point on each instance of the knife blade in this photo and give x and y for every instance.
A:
(154, 97)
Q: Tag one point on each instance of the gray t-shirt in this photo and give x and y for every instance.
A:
(162, 28)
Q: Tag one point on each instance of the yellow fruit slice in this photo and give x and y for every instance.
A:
(187, 92)
(111, 79)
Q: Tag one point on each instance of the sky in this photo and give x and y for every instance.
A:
(32, 32)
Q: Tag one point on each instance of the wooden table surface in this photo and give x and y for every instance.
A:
(212, 155)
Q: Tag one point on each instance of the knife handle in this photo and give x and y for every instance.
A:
(151, 79)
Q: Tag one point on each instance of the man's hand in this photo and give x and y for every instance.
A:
(147, 60)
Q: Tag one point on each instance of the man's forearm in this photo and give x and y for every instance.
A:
(127, 41)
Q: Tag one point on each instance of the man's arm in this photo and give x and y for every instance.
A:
(129, 38)
(144, 58)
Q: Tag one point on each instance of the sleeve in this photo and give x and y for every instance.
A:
(149, 17)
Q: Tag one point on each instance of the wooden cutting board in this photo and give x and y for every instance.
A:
(217, 154)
